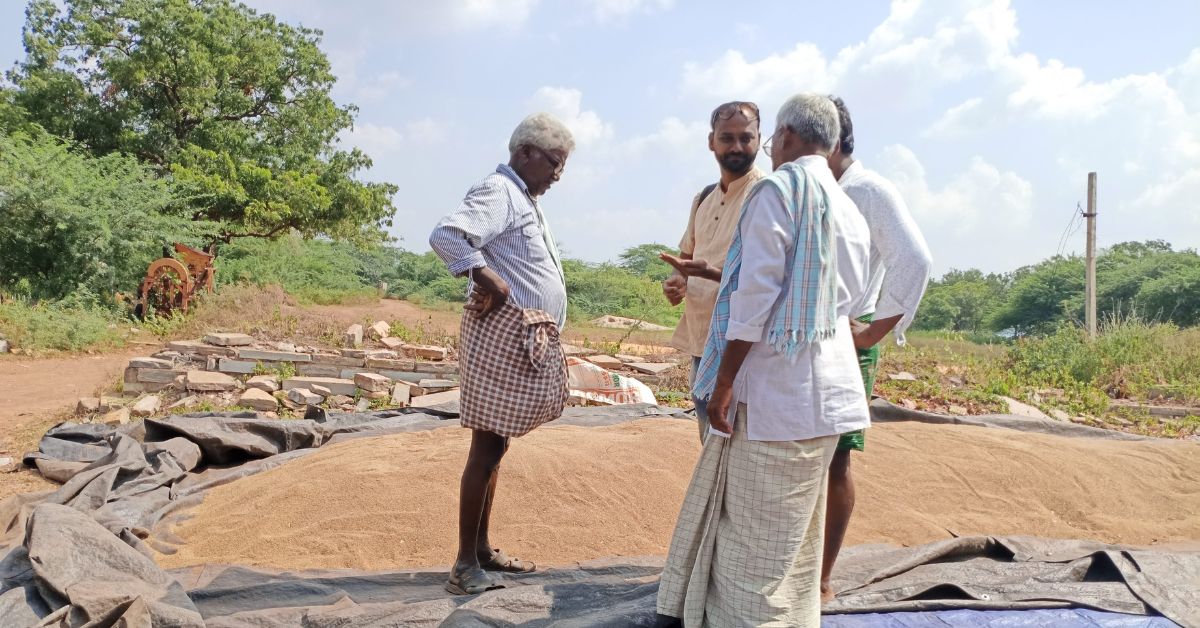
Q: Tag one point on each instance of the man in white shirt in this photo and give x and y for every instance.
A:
(896, 280)
(782, 381)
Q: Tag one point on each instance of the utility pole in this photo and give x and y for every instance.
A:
(1091, 255)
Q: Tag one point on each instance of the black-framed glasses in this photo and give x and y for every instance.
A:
(730, 109)
(554, 163)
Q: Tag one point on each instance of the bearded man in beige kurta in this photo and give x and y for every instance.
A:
(734, 141)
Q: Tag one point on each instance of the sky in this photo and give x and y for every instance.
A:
(987, 114)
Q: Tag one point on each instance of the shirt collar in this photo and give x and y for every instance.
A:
(813, 161)
(508, 171)
(853, 171)
(736, 186)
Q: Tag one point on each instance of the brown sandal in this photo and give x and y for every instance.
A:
(471, 582)
(499, 561)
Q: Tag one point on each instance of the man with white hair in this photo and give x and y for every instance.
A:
(500, 238)
(782, 381)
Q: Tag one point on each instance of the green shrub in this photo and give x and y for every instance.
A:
(60, 326)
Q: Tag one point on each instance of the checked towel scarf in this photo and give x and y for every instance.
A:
(808, 307)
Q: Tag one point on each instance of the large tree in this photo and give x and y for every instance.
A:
(233, 104)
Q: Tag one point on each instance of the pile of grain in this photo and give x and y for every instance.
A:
(570, 493)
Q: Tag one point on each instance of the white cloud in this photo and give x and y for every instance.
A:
(379, 140)
(981, 195)
(381, 86)
(567, 105)
(480, 14)
(733, 77)
(606, 10)
(375, 140)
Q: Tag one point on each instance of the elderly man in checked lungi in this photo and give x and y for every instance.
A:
(782, 381)
(514, 374)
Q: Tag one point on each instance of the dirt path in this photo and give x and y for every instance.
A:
(33, 391)
(36, 393)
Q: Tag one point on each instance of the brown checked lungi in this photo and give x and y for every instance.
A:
(514, 373)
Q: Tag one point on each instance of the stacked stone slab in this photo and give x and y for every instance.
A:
(233, 369)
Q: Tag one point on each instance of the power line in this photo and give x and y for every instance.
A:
(1073, 226)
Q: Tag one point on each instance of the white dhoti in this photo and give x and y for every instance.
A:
(748, 545)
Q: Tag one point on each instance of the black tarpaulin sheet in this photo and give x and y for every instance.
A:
(77, 556)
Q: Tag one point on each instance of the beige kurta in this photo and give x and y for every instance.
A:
(747, 548)
(709, 232)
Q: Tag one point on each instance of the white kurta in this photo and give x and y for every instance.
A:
(900, 259)
(819, 391)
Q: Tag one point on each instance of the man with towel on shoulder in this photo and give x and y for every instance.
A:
(781, 378)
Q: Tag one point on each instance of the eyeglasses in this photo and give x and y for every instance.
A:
(730, 109)
(554, 163)
(767, 146)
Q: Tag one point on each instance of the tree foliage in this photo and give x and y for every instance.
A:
(233, 104)
(643, 260)
(1148, 278)
(81, 226)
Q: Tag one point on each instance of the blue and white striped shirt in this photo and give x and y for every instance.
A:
(497, 225)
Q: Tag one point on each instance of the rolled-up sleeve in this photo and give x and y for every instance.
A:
(484, 213)
(766, 235)
(904, 255)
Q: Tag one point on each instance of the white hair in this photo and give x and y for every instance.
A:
(813, 117)
(543, 131)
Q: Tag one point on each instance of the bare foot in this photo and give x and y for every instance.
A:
(827, 593)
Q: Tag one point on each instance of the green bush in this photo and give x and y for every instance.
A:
(81, 226)
(1129, 357)
(61, 326)
(313, 271)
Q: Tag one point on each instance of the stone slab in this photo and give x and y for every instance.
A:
(349, 373)
(304, 396)
(147, 406)
(353, 336)
(1023, 409)
(336, 360)
(401, 394)
(208, 381)
(265, 383)
(392, 343)
(605, 361)
(200, 348)
(157, 376)
(223, 339)
(372, 382)
(273, 356)
(336, 385)
(652, 368)
(391, 364)
(241, 367)
(415, 378)
(426, 401)
(319, 370)
(436, 368)
(258, 399)
(427, 352)
(151, 363)
(379, 330)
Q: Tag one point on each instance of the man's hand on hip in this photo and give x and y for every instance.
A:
(491, 291)
(675, 289)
